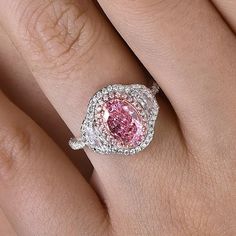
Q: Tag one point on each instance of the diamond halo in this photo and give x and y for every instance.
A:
(120, 119)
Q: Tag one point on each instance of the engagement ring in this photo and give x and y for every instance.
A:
(120, 120)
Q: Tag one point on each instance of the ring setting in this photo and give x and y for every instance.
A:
(120, 119)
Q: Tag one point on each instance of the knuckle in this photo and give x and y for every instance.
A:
(57, 33)
(151, 13)
(143, 7)
(15, 147)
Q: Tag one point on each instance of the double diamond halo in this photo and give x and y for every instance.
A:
(120, 120)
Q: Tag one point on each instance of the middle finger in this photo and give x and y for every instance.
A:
(73, 52)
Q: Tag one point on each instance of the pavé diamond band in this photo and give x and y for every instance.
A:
(120, 119)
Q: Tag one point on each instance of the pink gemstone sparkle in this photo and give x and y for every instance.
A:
(123, 122)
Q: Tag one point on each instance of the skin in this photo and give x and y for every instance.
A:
(184, 182)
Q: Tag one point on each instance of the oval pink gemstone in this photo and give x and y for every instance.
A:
(123, 122)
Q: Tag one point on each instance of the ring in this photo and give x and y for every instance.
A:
(120, 119)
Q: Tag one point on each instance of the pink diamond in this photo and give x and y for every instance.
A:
(123, 122)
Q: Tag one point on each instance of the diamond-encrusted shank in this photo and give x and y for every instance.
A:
(76, 144)
(120, 120)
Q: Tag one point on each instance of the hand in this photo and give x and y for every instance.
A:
(184, 183)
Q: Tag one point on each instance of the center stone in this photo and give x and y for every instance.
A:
(123, 122)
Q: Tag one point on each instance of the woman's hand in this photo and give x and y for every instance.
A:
(184, 183)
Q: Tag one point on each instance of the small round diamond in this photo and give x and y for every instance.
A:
(132, 151)
(99, 94)
(126, 152)
(104, 91)
(105, 98)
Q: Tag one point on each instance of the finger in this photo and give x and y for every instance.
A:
(40, 191)
(5, 227)
(228, 10)
(19, 85)
(190, 51)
